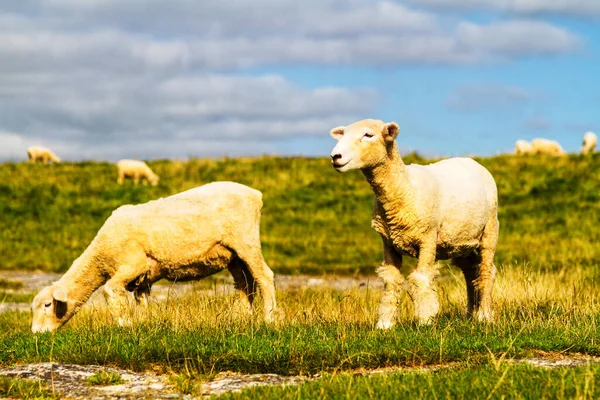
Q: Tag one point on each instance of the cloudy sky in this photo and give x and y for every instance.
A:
(108, 79)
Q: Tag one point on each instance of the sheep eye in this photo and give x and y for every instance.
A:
(368, 135)
(47, 304)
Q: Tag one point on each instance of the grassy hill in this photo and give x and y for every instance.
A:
(314, 219)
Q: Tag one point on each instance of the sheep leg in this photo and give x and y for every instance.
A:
(486, 272)
(117, 296)
(120, 178)
(392, 278)
(136, 178)
(244, 283)
(468, 266)
(263, 275)
(421, 285)
(141, 295)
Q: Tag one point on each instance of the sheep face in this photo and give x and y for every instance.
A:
(363, 144)
(50, 309)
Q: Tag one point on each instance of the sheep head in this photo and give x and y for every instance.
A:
(153, 179)
(363, 144)
(50, 309)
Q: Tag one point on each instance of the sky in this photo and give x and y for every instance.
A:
(112, 79)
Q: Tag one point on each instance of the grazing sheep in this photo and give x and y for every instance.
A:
(523, 147)
(136, 169)
(547, 147)
(445, 210)
(590, 140)
(42, 154)
(183, 237)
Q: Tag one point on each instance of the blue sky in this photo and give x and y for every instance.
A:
(152, 79)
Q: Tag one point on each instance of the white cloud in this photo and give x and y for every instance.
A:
(14, 146)
(585, 8)
(88, 111)
(102, 77)
(486, 96)
(517, 38)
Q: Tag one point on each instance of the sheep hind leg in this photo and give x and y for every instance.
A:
(263, 275)
(245, 284)
(468, 266)
(141, 295)
(486, 273)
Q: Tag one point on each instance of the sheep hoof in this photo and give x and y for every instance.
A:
(484, 316)
(124, 322)
(384, 324)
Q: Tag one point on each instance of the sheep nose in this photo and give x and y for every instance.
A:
(335, 157)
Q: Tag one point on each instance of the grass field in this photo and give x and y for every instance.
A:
(314, 219)
(317, 221)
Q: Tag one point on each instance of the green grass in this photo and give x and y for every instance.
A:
(322, 331)
(13, 297)
(505, 381)
(104, 378)
(24, 389)
(549, 210)
(10, 284)
(547, 297)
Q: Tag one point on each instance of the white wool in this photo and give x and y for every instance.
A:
(186, 236)
(523, 147)
(136, 170)
(547, 147)
(41, 154)
(590, 140)
(445, 210)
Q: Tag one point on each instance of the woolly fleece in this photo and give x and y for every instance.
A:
(187, 236)
(445, 210)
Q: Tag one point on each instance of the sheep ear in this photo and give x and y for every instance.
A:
(390, 131)
(337, 133)
(60, 294)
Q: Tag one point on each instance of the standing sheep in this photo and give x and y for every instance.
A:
(42, 154)
(445, 210)
(183, 237)
(523, 147)
(136, 169)
(547, 147)
(590, 140)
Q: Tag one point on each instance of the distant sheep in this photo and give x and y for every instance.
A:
(523, 147)
(136, 170)
(445, 210)
(42, 154)
(590, 140)
(183, 237)
(547, 147)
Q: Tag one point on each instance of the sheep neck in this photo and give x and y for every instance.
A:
(390, 182)
(82, 279)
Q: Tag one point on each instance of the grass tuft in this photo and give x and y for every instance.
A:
(24, 389)
(104, 378)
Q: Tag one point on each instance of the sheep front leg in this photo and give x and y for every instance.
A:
(118, 298)
(392, 278)
(421, 286)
